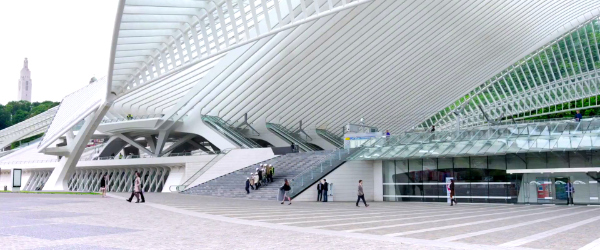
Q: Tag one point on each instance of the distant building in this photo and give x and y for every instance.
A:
(25, 83)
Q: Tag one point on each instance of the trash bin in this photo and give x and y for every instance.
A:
(5, 188)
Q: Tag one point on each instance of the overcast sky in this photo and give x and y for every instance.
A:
(66, 42)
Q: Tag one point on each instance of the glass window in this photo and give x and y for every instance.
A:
(515, 161)
(580, 159)
(402, 181)
(445, 169)
(595, 155)
(557, 160)
(430, 180)
(462, 186)
(389, 170)
(416, 178)
(478, 176)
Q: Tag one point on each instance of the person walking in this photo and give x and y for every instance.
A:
(272, 171)
(325, 189)
(256, 183)
(570, 192)
(320, 191)
(103, 182)
(286, 190)
(260, 176)
(247, 185)
(252, 181)
(578, 116)
(452, 200)
(137, 187)
(133, 191)
(361, 194)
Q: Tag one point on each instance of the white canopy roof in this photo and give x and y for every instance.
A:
(394, 63)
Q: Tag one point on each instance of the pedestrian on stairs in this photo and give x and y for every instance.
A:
(286, 190)
(247, 185)
(271, 172)
(260, 176)
(252, 181)
(325, 189)
(256, 183)
(320, 191)
(361, 194)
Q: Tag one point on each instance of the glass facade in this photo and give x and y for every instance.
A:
(555, 136)
(532, 178)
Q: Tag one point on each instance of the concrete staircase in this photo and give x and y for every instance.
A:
(232, 185)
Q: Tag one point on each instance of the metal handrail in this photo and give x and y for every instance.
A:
(299, 183)
(200, 171)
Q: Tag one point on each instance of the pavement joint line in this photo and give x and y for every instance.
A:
(32, 225)
(428, 211)
(592, 245)
(396, 219)
(465, 224)
(311, 212)
(322, 232)
(448, 219)
(256, 214)
(422, 222)
(301, 210)
(548, 233)
(488, 231)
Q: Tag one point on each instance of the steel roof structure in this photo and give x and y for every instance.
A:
(560, 76)
(330, 62)
(392, 62)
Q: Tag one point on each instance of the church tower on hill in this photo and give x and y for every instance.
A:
(25, 83)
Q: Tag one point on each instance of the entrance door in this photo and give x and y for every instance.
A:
(545, 192)
(560, 190)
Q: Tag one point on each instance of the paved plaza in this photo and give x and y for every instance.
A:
(173, 221)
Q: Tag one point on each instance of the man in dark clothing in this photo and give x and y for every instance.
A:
(452, 200)
(361, 194)
(320, 191)
(260, 175)
(570, 189)
(247, 185)
(133, 193)
(578, 116)
(325, 189)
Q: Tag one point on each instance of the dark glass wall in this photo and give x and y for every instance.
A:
(484, 179)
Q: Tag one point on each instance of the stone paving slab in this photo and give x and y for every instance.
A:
(502, 215)
(150, 228)
(173, 221)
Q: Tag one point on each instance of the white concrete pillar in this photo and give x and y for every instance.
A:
(58, 180)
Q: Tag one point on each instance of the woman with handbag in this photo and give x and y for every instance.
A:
(286, 189)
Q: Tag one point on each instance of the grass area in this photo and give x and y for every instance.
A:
(34, 192)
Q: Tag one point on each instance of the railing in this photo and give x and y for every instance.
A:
(141, 117)
(7, 152)
(126, 157)
(200, 171)
(308, 177)
(332, 138)
(289, 136)
(26, 162)
(224, 128)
